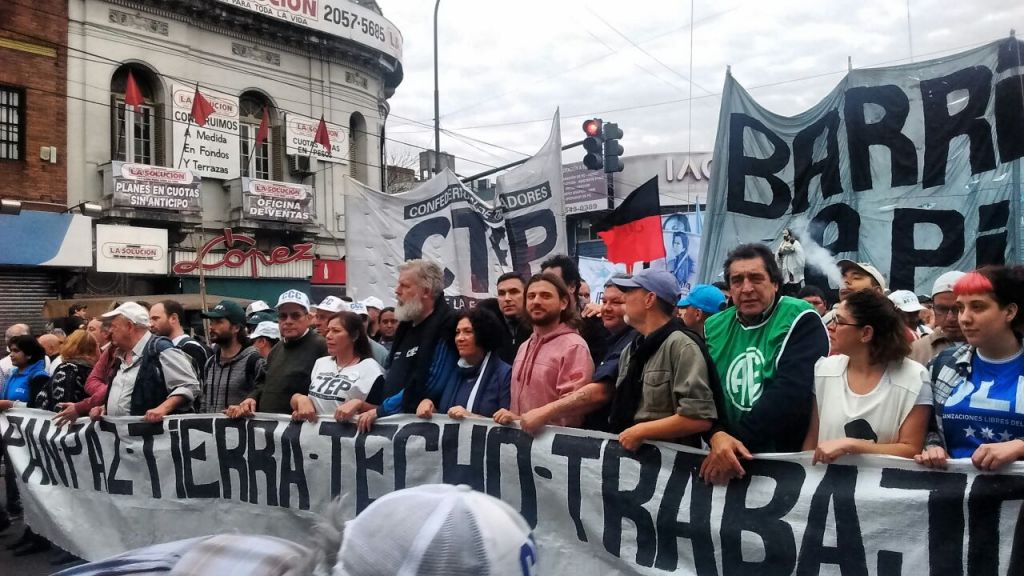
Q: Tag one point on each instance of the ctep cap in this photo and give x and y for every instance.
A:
(227, 309)
(866, 268)
(332, 304)
(373, 302)
(945, 282)
(266, 330)
(661, 282)
(906, 301)
(703, 297)
(444, 530)
(293, 297)
(133, 311)
(256, 306)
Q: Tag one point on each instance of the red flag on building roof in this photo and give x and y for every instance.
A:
(632, 232)
(132, 95)
(201, 108)
(322, 137)
(264, 129)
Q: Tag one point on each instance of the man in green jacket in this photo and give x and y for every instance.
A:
(290, 362)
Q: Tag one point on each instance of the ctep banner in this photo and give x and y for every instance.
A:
(155, 188)
(101, 488)
(915, 168)
(277, 201)
(212, 151)
(338, 18)
(300, 131)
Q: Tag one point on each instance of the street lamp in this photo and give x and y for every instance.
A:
(90, 209)
(10, 207)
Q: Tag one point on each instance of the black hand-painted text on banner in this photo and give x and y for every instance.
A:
(610, 509)
(886, 169)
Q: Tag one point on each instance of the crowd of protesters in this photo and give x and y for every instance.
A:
(736, 367)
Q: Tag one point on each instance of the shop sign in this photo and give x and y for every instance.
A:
(277, 201)
(247, 255)
(147, 187)
(131, 249)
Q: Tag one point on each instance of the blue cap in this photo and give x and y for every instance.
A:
(703, 297)
(661, 282)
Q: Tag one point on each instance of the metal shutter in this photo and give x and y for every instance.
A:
(23, 291)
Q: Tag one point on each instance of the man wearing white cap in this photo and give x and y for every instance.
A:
(373, 307)
(264, 337)
(153, 378)
(290, 363)
(380, 353)
(859, 276)
(947, 321)
(910, 308)
(323, 311)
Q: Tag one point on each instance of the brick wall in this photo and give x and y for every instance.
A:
(33, 57)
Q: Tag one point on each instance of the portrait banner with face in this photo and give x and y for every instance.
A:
(444, 221)
(915, 169)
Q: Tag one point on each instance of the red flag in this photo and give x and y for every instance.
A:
(264, 130)
(632, 232)
(132, 95)
(201, 108)
(322, 138)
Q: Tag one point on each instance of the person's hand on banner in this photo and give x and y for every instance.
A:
(366, 420)
(533, 421)
(425, 409)
(6, 405)
(242, 410)
(827, 452)
(458, 413)
(303, 409)
(155, 414)
(66, 414)
(348, 410)
(505, 416)
(932, 457)
(97, 412)
(631, 438)
(991, 457)
(721, 464)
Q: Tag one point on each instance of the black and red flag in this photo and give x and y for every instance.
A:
(632, 232)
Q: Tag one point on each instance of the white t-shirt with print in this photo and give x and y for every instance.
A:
(877, 415)
(330, 386)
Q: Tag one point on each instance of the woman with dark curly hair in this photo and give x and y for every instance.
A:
(869, 397)
(979, 386)
(484, 383)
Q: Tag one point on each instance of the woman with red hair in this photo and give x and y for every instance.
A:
(978, 387)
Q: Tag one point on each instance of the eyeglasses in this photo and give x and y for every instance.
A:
(834, 321)
(943, 311)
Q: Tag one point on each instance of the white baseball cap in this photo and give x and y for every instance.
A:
(906, 301)
(359, 308)
(868, 269)
(373, 302)
(294, 297)
(332, 304)
(444, 530)
(257, 306)
(266, 329)
(133, 311)
(945, 282)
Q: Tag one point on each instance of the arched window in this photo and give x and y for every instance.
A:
(357, 147)
(137, 135)
(257, 161)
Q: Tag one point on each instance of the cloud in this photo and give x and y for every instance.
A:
(505, 64)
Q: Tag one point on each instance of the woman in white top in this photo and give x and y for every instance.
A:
(869, 397)
(343, 380)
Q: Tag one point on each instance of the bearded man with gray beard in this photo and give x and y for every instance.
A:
(423, 361)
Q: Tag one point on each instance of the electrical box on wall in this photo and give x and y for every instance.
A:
(48, 154)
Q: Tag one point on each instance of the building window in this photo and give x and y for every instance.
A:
(12, 123)
(255, 163)
(135, 141)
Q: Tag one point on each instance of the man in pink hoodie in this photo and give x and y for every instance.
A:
(552, 363)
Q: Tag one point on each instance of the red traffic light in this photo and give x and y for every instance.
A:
(592, 127)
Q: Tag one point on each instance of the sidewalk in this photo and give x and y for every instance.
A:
(32, 565)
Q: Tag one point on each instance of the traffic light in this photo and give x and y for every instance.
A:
(593, 144)
(612, 149)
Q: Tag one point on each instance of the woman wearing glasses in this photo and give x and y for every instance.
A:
(869, 398)
(979, 386)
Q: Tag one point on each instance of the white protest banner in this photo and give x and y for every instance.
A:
(211, 151)
(914, 168)
(596, 272)
(445, 221)
(99, 488)
(300, 131)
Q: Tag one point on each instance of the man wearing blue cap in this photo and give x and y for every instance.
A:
(663, 390)
(697, 306)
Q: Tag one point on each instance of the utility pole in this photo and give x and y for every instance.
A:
(437, 101)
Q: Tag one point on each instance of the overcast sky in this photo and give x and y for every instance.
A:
(506, 66)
